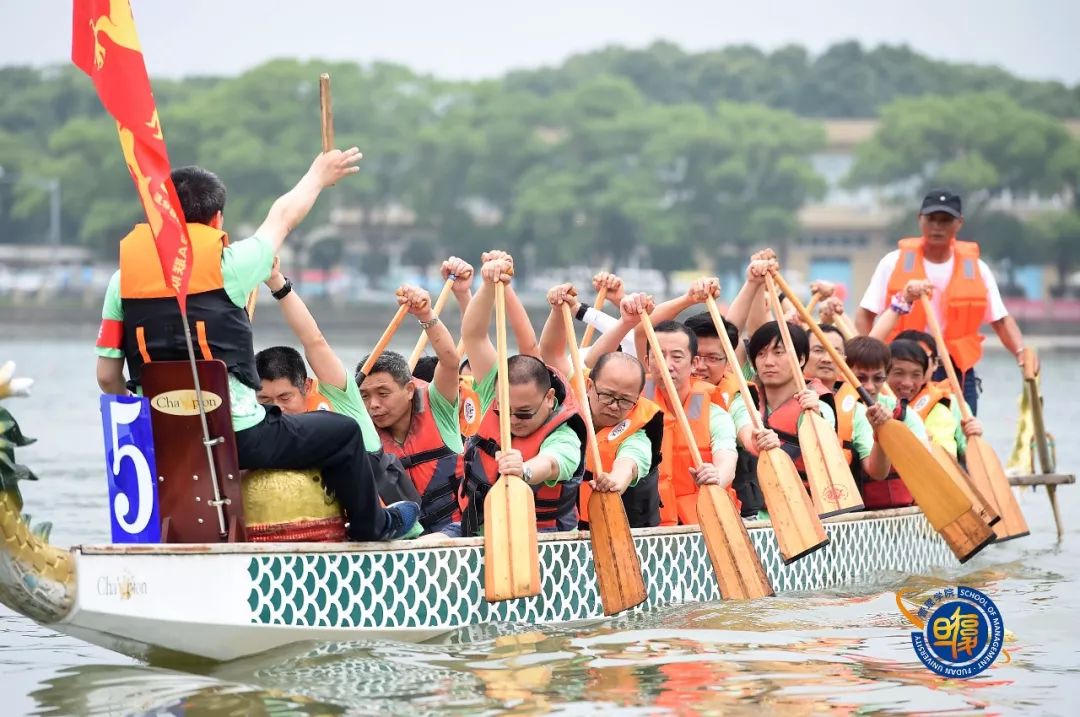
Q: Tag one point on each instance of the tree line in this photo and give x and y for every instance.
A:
(671, 157)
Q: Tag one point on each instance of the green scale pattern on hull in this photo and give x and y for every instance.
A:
(443, 587)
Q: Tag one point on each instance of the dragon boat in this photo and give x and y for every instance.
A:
(227, 600)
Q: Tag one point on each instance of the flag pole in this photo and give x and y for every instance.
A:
(218, 502)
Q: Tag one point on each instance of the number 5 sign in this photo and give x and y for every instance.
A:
(130, 468)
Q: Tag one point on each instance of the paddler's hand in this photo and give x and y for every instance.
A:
(461, 270)
(824, 289)
(605, 483)
(331, 167)
(765, 439)
(563, 294)
(758, 268)
(706, 474)
(765, 254)
(614, 285)
(417, 301)
(877, 415)
(633, 306)
(702, 289)
(494, 254)
(497, 270)
(808, 400)
(971, 427)
(829, 309)
(277, 279)
(510, 462)
(916, 289)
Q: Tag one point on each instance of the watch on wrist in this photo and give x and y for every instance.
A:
(425, 325)
(283, 291)
(526, 473)
(581, 309)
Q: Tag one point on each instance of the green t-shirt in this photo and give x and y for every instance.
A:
(862, 433)
(562, 444)
(721, 430)
(244, 265)
(348, 403)
(638, 448)
(742, 419)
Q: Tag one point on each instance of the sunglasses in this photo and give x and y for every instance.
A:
(522, 415)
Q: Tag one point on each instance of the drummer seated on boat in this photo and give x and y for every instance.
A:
(548, 433)
(141, 322)
(629, 427)
(855, 423)
(417, 420)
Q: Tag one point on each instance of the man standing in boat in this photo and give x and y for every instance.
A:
(548, 449)
(417, 421)
(629, 427)
(965, 292)
(141, 323)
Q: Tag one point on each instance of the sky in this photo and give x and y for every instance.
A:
(485, 38)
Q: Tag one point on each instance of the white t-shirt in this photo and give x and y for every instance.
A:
(875, 298)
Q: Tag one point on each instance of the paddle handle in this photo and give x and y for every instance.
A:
(943, 351)
(841, 322)
(327, 113)
(814, 298)
(733, 361)
(579, 387)
(841, 364)
(785, 332)
(384, 340)
(590, 329)
(421, 343)
(504, 371)
(656, 362)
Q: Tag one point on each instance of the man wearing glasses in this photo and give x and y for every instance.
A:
(629, 427)
(548, 445)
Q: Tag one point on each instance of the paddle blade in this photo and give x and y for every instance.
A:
(511, 558)
(985, 469)
(738, 568)
(959, 476)
(795, 522)
(618, 569)
(941, 501)
(831, 483)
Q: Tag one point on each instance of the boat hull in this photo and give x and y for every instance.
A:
(223, 602)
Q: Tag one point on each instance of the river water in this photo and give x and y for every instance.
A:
(846, 651)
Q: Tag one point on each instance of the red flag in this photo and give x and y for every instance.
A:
(105, 46)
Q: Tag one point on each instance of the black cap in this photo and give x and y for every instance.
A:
(941, 200)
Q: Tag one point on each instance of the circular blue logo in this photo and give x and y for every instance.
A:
(962, 632)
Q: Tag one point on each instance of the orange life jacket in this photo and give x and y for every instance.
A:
(432, 466)
(676, 486)
(315, 401)
(964, 303)
(153, 328)
(933, 393)
(641, 501)
(784, 420)
(725, 391)
(556, 506)
(469, 407)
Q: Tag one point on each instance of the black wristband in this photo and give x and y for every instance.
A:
(283, 291)
(581, 309)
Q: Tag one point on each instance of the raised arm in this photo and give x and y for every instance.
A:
(463, 277)
(630, 310)
(442, 343)
(477, 318)
(520, 324)
(899, 306)
(553, 336)
(326, 365)
(290, 208)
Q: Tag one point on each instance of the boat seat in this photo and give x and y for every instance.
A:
(186, 497)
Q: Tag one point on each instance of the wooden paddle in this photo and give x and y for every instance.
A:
(511, 558)
(797, 527)
(618, 568)
(384, 340)
(945, 506)
(421, 343)
(827, 472)
(327, 113)
(840, 321)
(738, 569)
(814, 298)
(1042, 444)
(590, 329)
(983, 464)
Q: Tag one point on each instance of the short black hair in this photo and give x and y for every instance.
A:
(676, 327)
(425, 368)
(282, 362)
(919, 337)
(390, 362)
(523, 368)
(769, 333)
(617, 356)
(703, 327)
(201, 193)
(868, 352)
(908, 350)
(831, 329)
